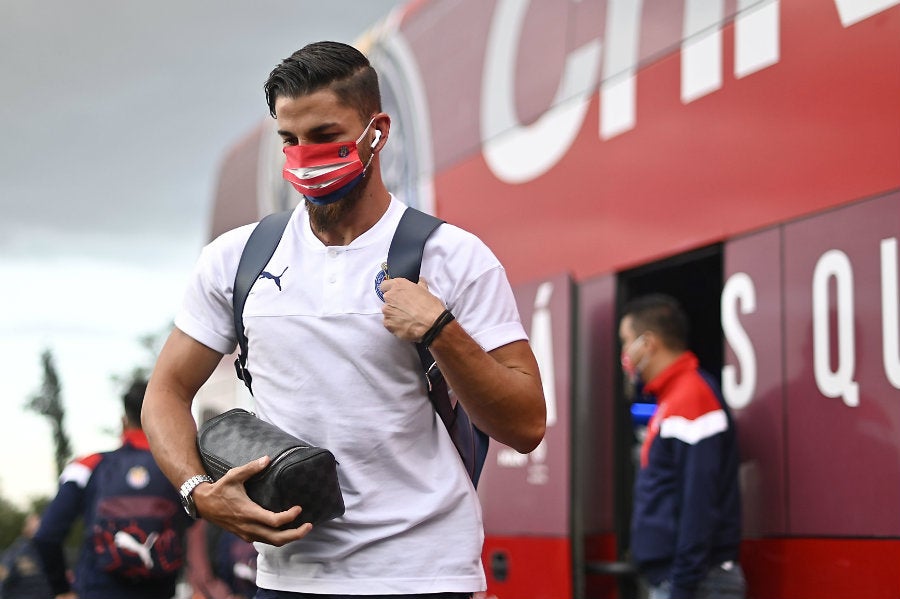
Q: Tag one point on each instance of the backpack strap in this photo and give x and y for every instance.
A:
(408, 245)
(405, 261)
(257, 253)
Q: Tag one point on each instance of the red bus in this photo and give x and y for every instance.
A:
(741, 155)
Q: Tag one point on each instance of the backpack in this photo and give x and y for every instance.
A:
(138, 525)
(404, 261)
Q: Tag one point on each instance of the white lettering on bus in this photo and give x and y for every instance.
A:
(854, 11)
(514, 152)
(701, 48)
(541, 340)
(510, 458)
(756, 39)
(738, 293)
(834, 264)
(518, 153)
(618, 92)
(890, 311)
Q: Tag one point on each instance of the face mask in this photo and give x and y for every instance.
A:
(628, 366)
(325, 173)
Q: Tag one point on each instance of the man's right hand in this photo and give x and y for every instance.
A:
(184, 364)
(225, 503)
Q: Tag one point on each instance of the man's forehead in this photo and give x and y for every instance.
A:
(323, 101)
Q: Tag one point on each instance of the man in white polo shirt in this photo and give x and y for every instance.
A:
(333, 360)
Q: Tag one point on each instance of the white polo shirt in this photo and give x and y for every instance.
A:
(326, 370)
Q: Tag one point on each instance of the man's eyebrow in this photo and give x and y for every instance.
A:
(317, 130)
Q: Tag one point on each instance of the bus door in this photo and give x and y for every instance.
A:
(598, 564)
(695, 280)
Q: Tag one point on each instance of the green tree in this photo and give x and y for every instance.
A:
(48, 403)
(11, 520)
(152, 343)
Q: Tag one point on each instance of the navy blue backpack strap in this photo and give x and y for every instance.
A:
(408, 245)
(404, 262)
(257, 253)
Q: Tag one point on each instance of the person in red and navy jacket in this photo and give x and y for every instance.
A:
(133, 522)
(686, 521)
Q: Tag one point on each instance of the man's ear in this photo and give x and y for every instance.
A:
(651, 341)
(382, 130)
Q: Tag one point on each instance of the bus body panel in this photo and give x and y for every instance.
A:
(614, 140)
(815, 129)
(843, 413)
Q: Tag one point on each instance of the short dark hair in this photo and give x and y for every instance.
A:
(340, 67)
(133, 401)
(662, 315)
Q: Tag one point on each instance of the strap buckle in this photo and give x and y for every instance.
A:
(433, 374)
(243, 373)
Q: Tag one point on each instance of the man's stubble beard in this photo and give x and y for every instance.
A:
(325, 218)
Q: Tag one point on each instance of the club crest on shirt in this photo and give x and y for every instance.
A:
(137, 477)
(381, 276)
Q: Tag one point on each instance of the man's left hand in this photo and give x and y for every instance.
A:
(409, 309)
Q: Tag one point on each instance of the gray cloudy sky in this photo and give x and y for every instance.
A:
(114, 117)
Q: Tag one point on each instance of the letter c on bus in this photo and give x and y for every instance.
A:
(518, 153)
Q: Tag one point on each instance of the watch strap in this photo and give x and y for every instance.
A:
(187, 490)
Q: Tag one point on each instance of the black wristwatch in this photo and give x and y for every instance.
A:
(187, 490)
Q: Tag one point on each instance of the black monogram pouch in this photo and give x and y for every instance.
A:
(298, 473)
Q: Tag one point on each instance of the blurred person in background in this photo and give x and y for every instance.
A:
(686, 522)
(133, 522)
(220, 565)
(21, 570)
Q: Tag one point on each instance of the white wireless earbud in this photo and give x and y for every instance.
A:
(377, 138)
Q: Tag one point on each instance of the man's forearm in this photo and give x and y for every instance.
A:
(172, 433)
(501, 390)
(181, 369)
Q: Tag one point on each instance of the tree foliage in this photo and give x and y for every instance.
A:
(11, 521)
(152, 344)
(48, 403)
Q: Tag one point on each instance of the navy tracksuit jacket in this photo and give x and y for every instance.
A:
(687, 514)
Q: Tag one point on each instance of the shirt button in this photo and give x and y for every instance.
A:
(332, 279)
